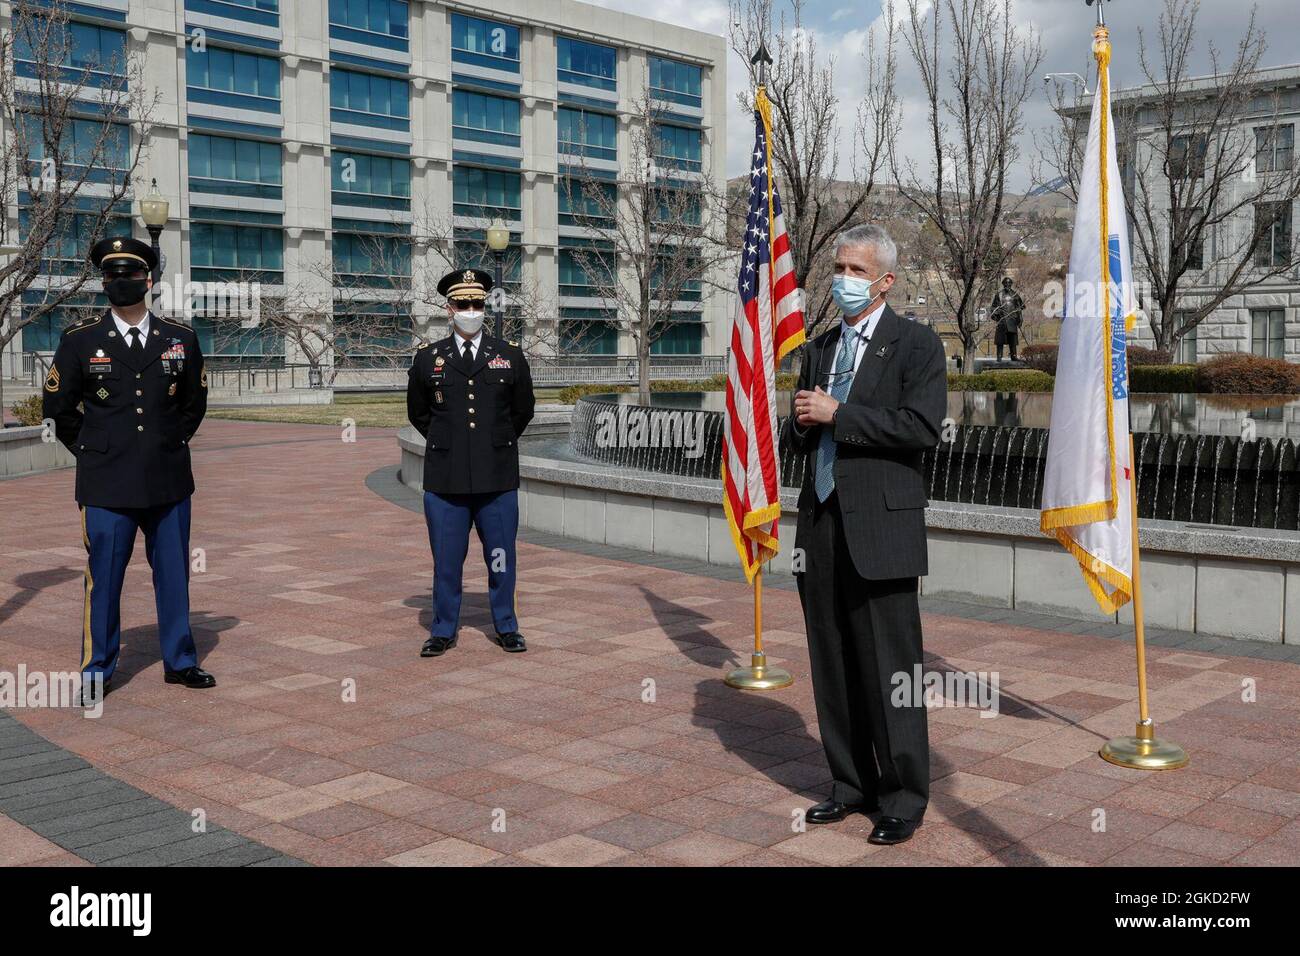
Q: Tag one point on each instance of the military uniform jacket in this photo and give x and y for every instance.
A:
(128, 417)
(471, 415)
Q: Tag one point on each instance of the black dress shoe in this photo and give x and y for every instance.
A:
(193, 677)
(832, 811)
(90, 696)
(512, 642)
(437, 646)
(891, 830)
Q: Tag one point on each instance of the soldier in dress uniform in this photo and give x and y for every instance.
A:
(127, 392)
(471, 396)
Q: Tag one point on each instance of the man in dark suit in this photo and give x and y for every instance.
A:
(127, 392)
(471, 396)
(872, 396)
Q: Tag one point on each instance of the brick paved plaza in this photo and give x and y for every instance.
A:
(318, 573)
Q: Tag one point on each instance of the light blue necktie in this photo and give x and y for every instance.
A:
(841, 382)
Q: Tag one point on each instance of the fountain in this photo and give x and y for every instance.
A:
(1245, 475)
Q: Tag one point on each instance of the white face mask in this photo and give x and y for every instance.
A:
(468, 322)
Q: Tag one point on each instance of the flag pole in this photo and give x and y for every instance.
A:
(758, 676)
(1144, 750)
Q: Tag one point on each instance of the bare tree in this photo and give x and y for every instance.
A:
(821, 193)
(73, 137)
(1210, 174)
(652, 241)
(977, 70)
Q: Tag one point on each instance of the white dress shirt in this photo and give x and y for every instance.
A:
(474, 343)
(124, 328)
(864, 327)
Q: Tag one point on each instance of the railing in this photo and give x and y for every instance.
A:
(621, 369)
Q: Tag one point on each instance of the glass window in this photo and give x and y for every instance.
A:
(82, 142)
(380, 181)
(1268, 332)
(486, 193)
(235, 160)
(374, 16)
(584, 133)
(676, 82)
(231, 71)
(485, 42)
(588, 64)
(1274, 147)
(583, 336)
(680, 147)
(1187, 155)
(679, 338)
(372, 260)
(219, 251)
(1186, 351)
(1272, 234)
(369, 93)
(586, 203)
(585, 275)
(484, 118)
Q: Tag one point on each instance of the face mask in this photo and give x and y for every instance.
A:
(126, 291)
(852, 294)
(468, 322)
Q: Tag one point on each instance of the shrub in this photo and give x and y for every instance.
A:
(1139, 355)
(1238, 373)
(1010, 380)
(1041, 358)
(1161, 378)
(28, 411)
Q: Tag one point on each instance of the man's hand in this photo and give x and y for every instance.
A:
(814, 408)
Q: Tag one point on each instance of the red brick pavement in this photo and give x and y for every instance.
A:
(613, 740)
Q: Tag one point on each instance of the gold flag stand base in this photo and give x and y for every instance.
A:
(758, 676)
(1144, 751)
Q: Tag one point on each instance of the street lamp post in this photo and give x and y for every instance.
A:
(154, 210)
(498, 237)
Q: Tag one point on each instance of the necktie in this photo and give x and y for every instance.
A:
(841, 382)
(135, 337)
(469, 353)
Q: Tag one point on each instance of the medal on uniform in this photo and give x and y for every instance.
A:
(437, 398)
(171, 389)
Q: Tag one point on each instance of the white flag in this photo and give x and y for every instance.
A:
(1087, 488)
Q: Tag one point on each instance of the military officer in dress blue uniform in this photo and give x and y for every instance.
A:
(471, 396)
(127, 392)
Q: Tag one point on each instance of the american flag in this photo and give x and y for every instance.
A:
(768, 325)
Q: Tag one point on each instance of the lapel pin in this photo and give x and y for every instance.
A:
(883, 350)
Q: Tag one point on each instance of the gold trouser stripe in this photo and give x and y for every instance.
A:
(86, 644)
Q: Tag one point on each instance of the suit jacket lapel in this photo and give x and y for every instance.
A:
(879, 350)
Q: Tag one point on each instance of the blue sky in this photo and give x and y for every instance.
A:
(1064, 28)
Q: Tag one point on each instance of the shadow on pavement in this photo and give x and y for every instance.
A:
(714, 700)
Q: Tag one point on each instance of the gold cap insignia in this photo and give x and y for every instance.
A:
(117, 244)
(469, 276)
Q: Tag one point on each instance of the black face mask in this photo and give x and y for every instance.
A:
(126, 291)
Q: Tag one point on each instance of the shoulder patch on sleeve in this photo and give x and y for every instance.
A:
(52, 380)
